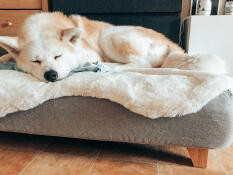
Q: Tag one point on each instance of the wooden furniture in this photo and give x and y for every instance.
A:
(13, 13)
(199, 157)
(186, 9)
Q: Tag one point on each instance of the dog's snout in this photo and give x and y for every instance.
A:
(51, 75)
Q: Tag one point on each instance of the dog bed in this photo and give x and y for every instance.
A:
(150, 92)
(208, 124)
(211, 127)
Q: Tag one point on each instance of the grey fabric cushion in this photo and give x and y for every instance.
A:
(100, 119)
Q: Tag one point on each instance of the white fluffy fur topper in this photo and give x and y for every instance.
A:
(150, 92)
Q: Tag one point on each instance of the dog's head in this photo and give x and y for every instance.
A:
(48, 46)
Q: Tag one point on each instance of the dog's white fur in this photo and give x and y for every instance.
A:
(62, 43)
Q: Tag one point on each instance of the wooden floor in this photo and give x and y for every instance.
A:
(38, 155)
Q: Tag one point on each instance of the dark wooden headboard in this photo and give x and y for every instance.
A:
(160, 15)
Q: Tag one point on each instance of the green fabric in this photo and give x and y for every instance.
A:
(9, 66)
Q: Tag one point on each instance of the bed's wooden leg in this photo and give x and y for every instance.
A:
(199, 157)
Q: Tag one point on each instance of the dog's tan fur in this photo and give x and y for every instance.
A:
(123, 48)
(76, 39)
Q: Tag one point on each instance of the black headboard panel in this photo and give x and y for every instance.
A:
(160, 15)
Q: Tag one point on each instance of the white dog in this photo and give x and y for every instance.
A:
(50, 45)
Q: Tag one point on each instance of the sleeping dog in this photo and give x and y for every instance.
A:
(50, 45)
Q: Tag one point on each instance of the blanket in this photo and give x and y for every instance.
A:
(87, 66)
(152, 92)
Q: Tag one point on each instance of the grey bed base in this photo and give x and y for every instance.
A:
(100, 119)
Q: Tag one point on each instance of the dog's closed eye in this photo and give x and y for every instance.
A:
(57, 56)
(37, 61)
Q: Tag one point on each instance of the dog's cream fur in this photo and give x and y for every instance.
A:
(53, 41)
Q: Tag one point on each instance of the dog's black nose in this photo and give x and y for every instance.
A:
(51, 75)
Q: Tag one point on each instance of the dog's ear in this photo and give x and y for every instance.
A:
(10, 44)
(72, 35)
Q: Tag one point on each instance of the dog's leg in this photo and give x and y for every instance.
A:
(122, 66)
(5, 58)
(205, 63)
